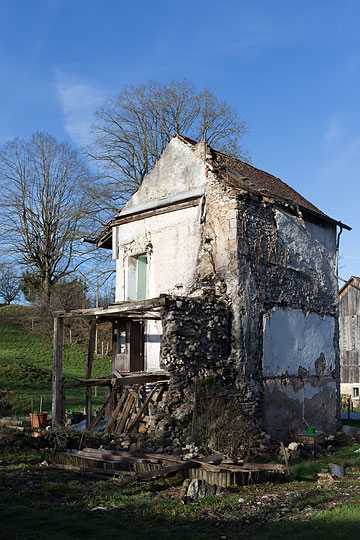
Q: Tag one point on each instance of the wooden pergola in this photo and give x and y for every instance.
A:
(143, 309)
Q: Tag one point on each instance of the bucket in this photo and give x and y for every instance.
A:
(338, 470)
(310, 430)
(38, 420)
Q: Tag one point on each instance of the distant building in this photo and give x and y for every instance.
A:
(349, 323)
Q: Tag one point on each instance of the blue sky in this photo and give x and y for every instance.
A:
(292, 69)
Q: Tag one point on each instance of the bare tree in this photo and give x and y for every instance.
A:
(133, 129)
(43, 207)
(9, 283)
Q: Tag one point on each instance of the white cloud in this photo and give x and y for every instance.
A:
(334, 130)
(79, 97)
(344, 161)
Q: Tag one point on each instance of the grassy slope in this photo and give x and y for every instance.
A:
(26, 370)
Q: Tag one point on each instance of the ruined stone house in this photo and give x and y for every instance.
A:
(227, 277)
(349, 322)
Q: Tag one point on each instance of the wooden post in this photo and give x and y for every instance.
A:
(89, 362)
(58, 401)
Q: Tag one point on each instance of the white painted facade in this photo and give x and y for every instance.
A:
(170, 240)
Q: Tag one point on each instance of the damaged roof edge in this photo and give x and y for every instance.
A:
(103, 240)
(184, 196)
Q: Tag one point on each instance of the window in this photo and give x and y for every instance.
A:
(137, 277)
(355, 392)
(141, 277)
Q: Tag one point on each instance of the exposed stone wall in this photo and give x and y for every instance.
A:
(257, 257)
(195, 347)
(286, 263)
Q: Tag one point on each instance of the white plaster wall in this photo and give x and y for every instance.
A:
(172, 241)
(289, 408)
(308, 246)
(347, 388)
(293, 339)
(307, 391)
(181, 168)
(153, 334)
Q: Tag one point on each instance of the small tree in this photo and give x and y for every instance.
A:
(133, 129)
(43, 206)
(9, 283)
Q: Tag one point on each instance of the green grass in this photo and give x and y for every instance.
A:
(308, 469)
(26, 371)
(38, 502)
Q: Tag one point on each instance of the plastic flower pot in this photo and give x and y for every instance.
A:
(38, 420)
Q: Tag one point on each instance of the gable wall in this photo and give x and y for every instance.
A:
(181, 168)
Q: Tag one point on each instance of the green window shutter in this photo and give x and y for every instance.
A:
(141, 277)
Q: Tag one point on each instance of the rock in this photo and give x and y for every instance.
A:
(142, 429)
(199, 488)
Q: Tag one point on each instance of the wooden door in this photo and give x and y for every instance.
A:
(129, 346)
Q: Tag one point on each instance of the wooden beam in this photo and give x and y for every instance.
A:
(135, 422)
(89, 362)
(100, 412)
(58, 398)
(140, 379)
(92, 470)
(136, 307)
(120, 428)
(162, 471)
(116, 412)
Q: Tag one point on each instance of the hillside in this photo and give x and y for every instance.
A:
(26, 366)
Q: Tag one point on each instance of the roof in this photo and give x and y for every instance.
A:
(242, 175)
(354, 281)
(266, 181)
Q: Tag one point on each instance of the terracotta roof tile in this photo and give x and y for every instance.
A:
(260, 180)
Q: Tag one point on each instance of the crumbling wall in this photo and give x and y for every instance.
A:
(278, 259)
(286, 269)
(195, 347)
(299, 365)
(204, 402)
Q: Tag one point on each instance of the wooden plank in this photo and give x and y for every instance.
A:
(116, 309)
(95, 420)
(89, 362)
(58, 399)
(162, 471)
(93, 470)
(135, 422)
(116, 412)
(139, 379)
(104, 455)
(120, 428)
(121, 454)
